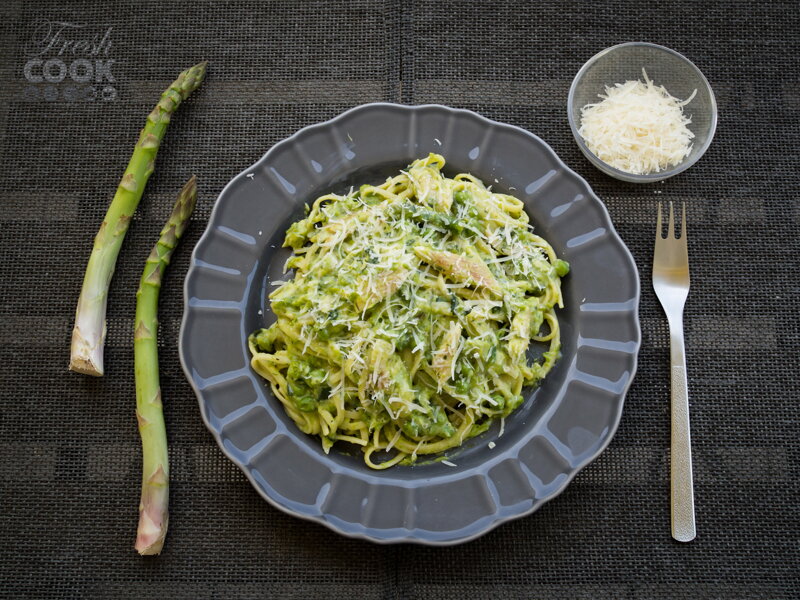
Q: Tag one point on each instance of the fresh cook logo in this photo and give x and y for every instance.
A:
(69, 61)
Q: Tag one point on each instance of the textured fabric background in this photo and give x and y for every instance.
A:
(69, 448)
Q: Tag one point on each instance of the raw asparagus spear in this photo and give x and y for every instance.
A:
(153, 515)
(89, 333)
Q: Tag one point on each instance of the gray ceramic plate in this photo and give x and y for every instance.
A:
(561, 427)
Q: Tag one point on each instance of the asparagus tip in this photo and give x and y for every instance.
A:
(198, 73)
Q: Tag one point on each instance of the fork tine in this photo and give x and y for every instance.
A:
(671, 225)
(683, 223)
(659, 224)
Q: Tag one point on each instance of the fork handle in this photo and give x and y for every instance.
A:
(682, 488)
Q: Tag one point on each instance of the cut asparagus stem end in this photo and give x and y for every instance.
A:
(86, 355)
(153, 515)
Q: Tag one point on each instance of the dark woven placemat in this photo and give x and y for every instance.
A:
(69, 464)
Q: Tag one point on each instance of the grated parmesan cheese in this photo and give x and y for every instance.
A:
(638, 127)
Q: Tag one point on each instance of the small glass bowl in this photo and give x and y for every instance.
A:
(664, 67)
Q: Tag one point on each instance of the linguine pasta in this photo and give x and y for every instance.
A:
(407, 325)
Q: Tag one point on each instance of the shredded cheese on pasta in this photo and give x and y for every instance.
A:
(407, 326)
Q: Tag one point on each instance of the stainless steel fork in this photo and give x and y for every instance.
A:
(671, 283)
